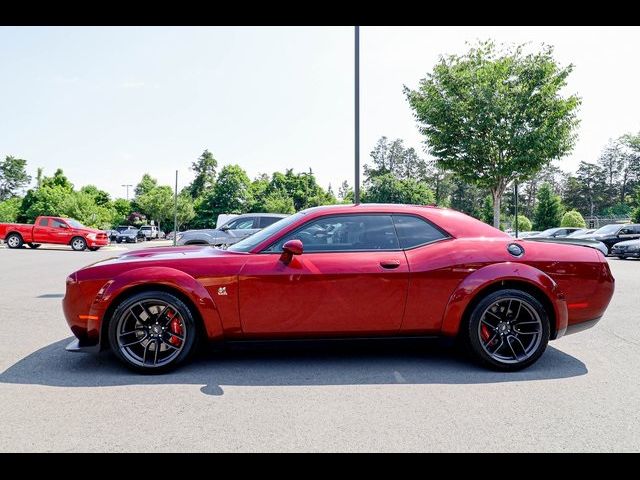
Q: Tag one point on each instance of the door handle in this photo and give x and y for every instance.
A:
(390, 263)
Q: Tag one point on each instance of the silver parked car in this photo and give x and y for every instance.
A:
(231, 231)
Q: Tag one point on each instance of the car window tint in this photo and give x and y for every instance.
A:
(344, 233)
(44, 222)
(266, 221)
(414, 231)
(56, 223)
(241, 223)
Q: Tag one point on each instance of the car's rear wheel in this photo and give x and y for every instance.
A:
(78, 244)
(153, 332)
(508, 330)
(14, 240)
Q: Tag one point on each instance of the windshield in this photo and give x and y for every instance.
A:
(546, 232)
(74, 223)
(251, 242)
(607, 229)
(577, 233)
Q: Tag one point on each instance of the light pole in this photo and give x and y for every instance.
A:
(127, 187)
(356, 187)
(515, 194)
(175, 211)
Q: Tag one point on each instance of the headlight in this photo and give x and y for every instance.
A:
(633, 248)
(179, 236)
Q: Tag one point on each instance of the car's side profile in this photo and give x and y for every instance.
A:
(343, 271)
(232, 231)
(614, 233)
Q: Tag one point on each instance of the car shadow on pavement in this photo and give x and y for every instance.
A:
(328, 363)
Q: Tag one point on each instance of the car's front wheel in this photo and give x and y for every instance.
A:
(153, 332)
(508, 330)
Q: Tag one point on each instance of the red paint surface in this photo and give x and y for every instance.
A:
(266, 295)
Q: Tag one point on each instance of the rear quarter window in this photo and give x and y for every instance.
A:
(414, 231)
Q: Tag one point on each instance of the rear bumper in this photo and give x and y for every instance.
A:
(625, 254)
(579, 327)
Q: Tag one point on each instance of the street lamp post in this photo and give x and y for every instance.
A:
(515, 194)
(127, 187)
(356, 187)
(175, 211)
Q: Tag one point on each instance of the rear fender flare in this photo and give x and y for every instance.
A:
(494, 274)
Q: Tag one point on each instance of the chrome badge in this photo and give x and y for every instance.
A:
(222, 290)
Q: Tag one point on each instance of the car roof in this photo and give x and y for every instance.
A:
(279, 215)
(452, 221)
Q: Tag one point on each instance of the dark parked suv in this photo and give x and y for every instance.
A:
(614, 233)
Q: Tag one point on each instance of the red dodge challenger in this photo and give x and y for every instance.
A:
(343, 271)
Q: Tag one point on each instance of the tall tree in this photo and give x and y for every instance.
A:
(157, 204)
(147, 183)
(13, 177)
(492, 115)
(231, 194)
(389, 189)
(205, 169)
(392, 157)
(548, 212)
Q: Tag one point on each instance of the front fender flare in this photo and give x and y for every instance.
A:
(495, 274)
(166, 277)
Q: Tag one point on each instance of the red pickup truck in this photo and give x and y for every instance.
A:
(56, 230)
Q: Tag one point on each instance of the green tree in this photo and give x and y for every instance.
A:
(10, 209)
(392, 157)
(147, 183)
(13, 176)
(492, 116)
(573, 219)
(278, 202)
(486, 214)
(100, 197)
(389, 189)
(59, 180)
(231, 194)
(157, 204)
(47, 200)
(524, 224)
(635, 215)
(205, 170)
(548, 212)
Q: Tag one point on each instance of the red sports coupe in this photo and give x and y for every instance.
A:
(343, 271)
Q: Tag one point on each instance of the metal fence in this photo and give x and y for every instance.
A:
(597, 222)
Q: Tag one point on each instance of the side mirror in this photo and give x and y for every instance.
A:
(224, 228)
(291, 248)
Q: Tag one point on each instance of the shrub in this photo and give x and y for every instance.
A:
(573, 219)
(524, 224)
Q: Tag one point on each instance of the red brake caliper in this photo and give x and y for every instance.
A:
(176, 327)
(484, 333)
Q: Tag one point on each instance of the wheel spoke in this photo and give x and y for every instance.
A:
(157, 349)
(144, 355)
(136, 330)
(484, 320)
(170, 345)
(524, 350)
(515, 355)
(135, 342)
(491, 339)
(500, 345)
(179, 337)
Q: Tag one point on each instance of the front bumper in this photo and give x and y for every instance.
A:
(620, 254)
(76, 346)
(579, 327)
(100, 242)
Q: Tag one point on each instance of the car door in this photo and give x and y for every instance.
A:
(352, 278)
(60, 231)
(42, 231)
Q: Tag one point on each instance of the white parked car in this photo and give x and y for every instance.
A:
(150, 232)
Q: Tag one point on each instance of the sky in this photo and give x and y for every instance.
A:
(107, 104)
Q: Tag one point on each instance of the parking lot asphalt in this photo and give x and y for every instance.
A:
(583, 395)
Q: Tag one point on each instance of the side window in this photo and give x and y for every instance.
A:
(625, 231)
(43, 222)
(414, 231)
(344, 233)
(266, 221)
(56, 223)
(241, 223)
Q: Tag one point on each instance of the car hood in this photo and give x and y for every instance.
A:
(88, 230)
(208, 231)
(175, 253)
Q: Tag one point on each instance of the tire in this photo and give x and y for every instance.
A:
(78, 244)
(495, 319)
(130, 323)
(34, 245)
(14, 240)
